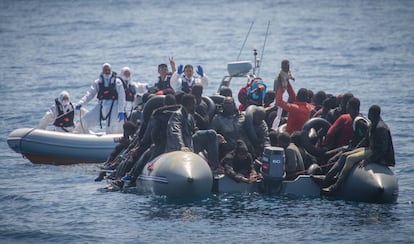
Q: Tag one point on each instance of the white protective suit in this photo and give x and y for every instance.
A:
(177, 80)
(140, 88)
(53, 113)
(93, 118)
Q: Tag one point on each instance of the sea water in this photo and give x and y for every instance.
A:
(363, 47)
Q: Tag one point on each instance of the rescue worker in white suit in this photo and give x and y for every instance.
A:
(61, 114)
(132, 89)
(183, 79)
(110, 92)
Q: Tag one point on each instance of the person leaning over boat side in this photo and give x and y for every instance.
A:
(132, 89)
(239, 164)
(111, 103)
(380, 150)
(183, 79)
(164, 78)
(298, 111)
(182, 134)
(61, 113)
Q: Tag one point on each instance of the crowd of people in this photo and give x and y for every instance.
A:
(230, 137)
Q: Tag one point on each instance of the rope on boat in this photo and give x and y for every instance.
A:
(245, 39)
(264, 44)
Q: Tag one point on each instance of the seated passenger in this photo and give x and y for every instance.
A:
(242, 95)
(256, 92)
(340, 132)
(293, 159)
(380, 150)
(308, 159)
(255, 132)
(228, 124)
(182, 134)
(239, 164)
(201, 108)
(341, 108)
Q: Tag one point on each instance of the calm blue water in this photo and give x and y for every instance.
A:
(363, 47)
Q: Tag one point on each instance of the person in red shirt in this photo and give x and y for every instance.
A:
(341, 131)
(299, 110)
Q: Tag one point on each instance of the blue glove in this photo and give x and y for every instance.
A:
(121, 116)
(200, 71)
(180, 69)
(78, 107)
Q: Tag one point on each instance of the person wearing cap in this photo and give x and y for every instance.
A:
(110, 93)
(164, 76)
(61, 113)
(239, 164)
(183, 79)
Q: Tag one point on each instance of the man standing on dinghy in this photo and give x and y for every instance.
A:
(61, 114)
(111, 103)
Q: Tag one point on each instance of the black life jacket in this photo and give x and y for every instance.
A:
(185, 87)
(109, 92)
(130, 91)
(164, 84)
(64, 119)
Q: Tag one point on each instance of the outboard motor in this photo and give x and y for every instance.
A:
(273, 169)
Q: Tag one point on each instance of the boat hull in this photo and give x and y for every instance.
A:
(373, 184)
(50, 147)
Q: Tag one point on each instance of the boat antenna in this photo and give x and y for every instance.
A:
(264, 44)
(256, 61)
(245, 39)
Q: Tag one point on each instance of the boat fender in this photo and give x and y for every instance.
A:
(312, 134)
(211, 110)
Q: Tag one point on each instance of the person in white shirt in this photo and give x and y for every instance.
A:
(183, 79)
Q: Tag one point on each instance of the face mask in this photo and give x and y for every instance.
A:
(65, 103)
(107, 76)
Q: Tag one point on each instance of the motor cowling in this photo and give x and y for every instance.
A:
(273, 163)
